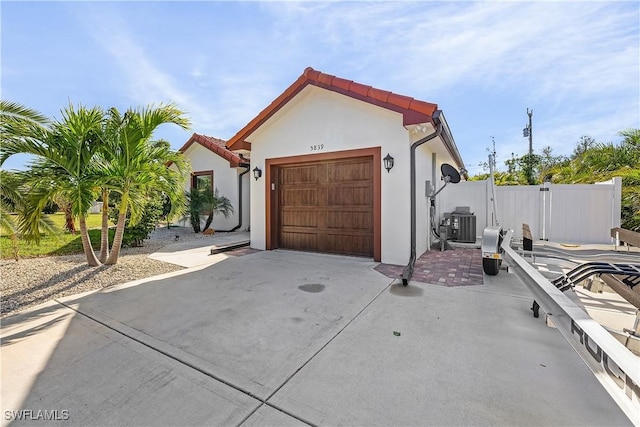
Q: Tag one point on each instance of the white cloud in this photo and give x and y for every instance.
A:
(557, 48)
(224, 80)
(575, 62)
(144, 81)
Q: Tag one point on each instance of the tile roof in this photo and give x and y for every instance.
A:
(413, 111)
(216, 145)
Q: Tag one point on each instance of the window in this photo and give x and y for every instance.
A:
(202, 180)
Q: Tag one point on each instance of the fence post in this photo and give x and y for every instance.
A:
(616, 214)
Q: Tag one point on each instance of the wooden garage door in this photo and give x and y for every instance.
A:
(327, 206)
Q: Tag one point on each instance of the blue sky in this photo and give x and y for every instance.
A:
(576, 64)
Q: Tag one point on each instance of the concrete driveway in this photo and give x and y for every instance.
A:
(288, 338)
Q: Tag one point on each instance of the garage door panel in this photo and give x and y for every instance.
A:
(299, 218)
(300, 175)
(299, 240)
(349, 220)
(349, 196)
(349, 244)
(306, 196)
(349, 171)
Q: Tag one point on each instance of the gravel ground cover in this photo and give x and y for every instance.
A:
(33, 281)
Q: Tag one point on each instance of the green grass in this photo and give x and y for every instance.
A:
(61, 243)
(93, 220)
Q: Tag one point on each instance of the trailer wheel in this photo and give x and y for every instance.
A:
(491, 266)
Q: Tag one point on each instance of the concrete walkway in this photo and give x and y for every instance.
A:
(196, 253)
(289, 338)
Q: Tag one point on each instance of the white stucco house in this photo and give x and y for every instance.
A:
(319, 181)
(214, 165)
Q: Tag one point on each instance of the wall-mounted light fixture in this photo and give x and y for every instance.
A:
(388, 162)
(257, 173)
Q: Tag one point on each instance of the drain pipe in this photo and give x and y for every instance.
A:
(248, 167)
(408, 270)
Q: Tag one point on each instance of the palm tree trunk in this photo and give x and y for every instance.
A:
(209, 221)
(69, 223)
(117, 239)
(86, 244)
(104, 235)
(195, 221)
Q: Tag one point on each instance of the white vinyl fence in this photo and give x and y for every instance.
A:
(562, 213)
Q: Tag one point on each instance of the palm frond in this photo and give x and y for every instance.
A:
(631, 137)
(19, 124)
(13, 110)
(7, 223)
(10, 191)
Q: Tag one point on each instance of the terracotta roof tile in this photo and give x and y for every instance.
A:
(341, 83)
(310, 73)
(359, 89)
(380, 95)
(399, 100)
(217, 146)
(412, 110)
(421, 107)
(325, 79)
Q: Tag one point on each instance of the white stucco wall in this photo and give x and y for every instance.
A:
(225, 179)
(320, 117)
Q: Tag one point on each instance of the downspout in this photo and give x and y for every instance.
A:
(408, 270)
(246, 165)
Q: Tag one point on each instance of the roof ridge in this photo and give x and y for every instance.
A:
(215, 145)
(413, 110)
(381, 95)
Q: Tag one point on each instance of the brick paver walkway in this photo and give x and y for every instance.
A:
(458, 267)
(242, 251)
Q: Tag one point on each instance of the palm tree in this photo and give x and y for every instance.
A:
(216, 204)
(65, 166)
(81, 156)
(203, 201)
(110, 133)
(631, 138)
(195, 200)
(138, 164)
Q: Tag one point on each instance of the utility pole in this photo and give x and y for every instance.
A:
(492, 169)
(528, 131)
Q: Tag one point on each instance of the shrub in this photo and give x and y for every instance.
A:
(134, 235)
(50, 208)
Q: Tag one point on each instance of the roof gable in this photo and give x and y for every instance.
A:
(412, 110)
(218, 146)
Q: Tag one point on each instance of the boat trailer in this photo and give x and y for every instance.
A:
(614, 366)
